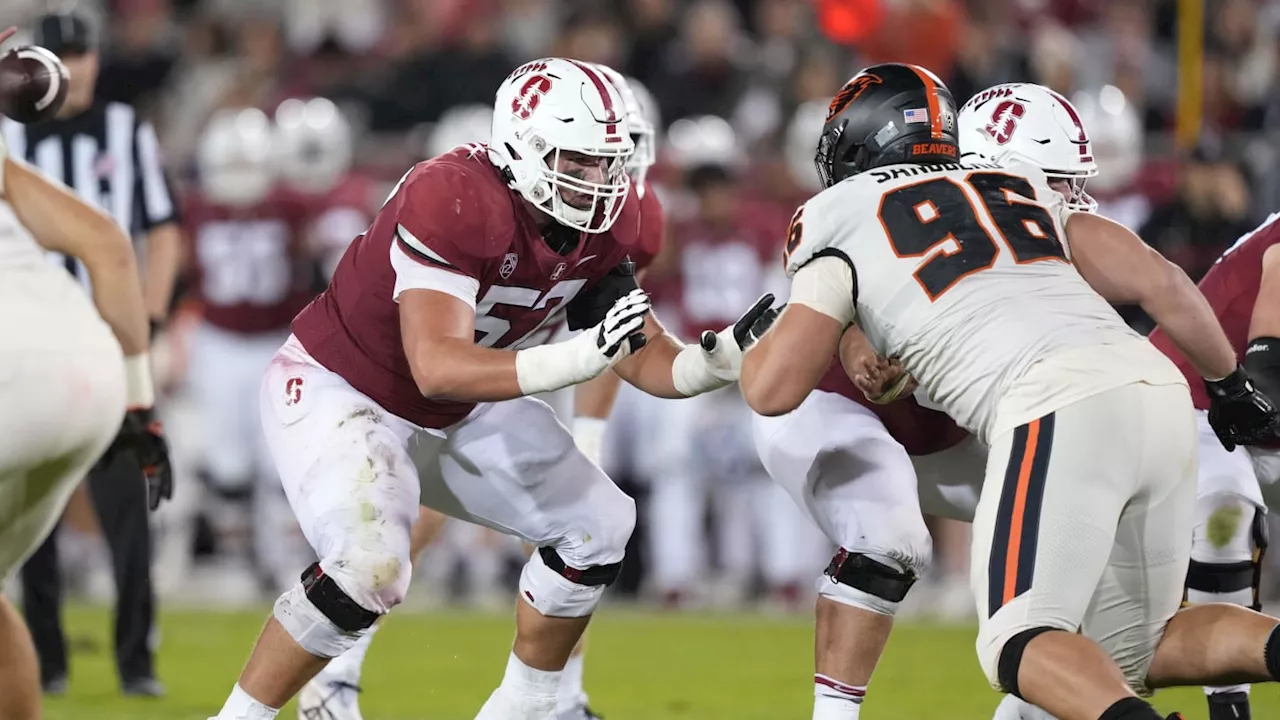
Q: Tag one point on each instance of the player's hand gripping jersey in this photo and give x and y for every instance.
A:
(963, 272)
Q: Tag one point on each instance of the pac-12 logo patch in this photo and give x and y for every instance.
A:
(555, 274)
(508, 265)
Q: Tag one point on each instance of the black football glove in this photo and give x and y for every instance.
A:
(142, 436)
(1238, 413)
(589, 308)
(749, 328)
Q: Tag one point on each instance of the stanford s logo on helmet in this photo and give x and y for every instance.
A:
(560, 136)
(1004, 120)
(884, 115)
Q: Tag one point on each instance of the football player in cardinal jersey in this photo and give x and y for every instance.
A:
(408, 379)
(65, 381)
(1033, 124)
(584, 407)
(1243, 287)
(312, 140)
(254, 271)
(1079, 551)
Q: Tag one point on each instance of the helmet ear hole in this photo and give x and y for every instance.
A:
(512, 152)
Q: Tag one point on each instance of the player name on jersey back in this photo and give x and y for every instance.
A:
(962, 271)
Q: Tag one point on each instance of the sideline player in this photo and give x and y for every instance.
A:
(960, 270)
(407, 381)
(66, 383)
(336, 689)
(254, 271)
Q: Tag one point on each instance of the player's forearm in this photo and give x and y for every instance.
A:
(776, 379)
(651, 369)
(164, 259)
(1178, 306)
(457, 369)
(117, 293)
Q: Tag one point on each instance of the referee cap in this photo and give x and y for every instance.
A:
(65, 33)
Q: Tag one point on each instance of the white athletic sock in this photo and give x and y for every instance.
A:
(346, 667)
(240, 706)
(570, 694)
(524, 681)
(834, 700)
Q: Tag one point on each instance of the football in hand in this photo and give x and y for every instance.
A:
(33, 84)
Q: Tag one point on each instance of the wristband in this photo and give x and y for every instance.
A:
(139, 391)
(545, 368)
(692, 375)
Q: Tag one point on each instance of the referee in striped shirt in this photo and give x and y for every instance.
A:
(109, 157)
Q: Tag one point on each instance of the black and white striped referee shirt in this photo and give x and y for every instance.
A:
(108, 157)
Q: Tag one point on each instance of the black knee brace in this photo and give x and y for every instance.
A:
(1220, 578)
(870, 576)
(329, 599)
(596, 575)
(1011, 658)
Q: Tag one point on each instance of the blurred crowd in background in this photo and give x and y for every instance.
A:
(737, 90)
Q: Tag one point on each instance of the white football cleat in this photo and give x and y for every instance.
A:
(324, 698)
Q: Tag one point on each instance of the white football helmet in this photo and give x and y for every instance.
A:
(1035, 125)
(460, 125)
(706, 140)
(235, 159)
(642, 115)
(1116, 131)
(554, 106)
(313, 140)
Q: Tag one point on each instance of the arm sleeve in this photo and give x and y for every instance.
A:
(826, 284)
(154, 191)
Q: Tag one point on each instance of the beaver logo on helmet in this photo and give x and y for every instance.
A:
(850, 92)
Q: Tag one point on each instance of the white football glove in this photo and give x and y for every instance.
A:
(587, 354)
(716, 360)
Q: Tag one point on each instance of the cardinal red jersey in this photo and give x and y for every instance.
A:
(724, 269)
(653, 228)
(453, 212)
(1231, 287)
(254, 269)
(920, 430)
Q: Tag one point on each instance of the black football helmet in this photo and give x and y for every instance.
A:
(887, 114)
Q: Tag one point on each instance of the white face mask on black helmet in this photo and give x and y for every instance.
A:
(549, 111)
(1032, 124)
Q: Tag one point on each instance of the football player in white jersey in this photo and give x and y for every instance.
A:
(996, 297)
(65, 382)
(1033, 124)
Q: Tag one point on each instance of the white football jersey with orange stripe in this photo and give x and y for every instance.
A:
(962, 271)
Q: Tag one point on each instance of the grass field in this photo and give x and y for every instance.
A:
(641, 667)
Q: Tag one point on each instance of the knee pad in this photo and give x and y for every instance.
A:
(1227, 555)
(312, 626)
(873, 583)
(557, 590)
(1010, 659)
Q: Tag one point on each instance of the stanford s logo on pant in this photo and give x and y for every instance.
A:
(293, 391)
